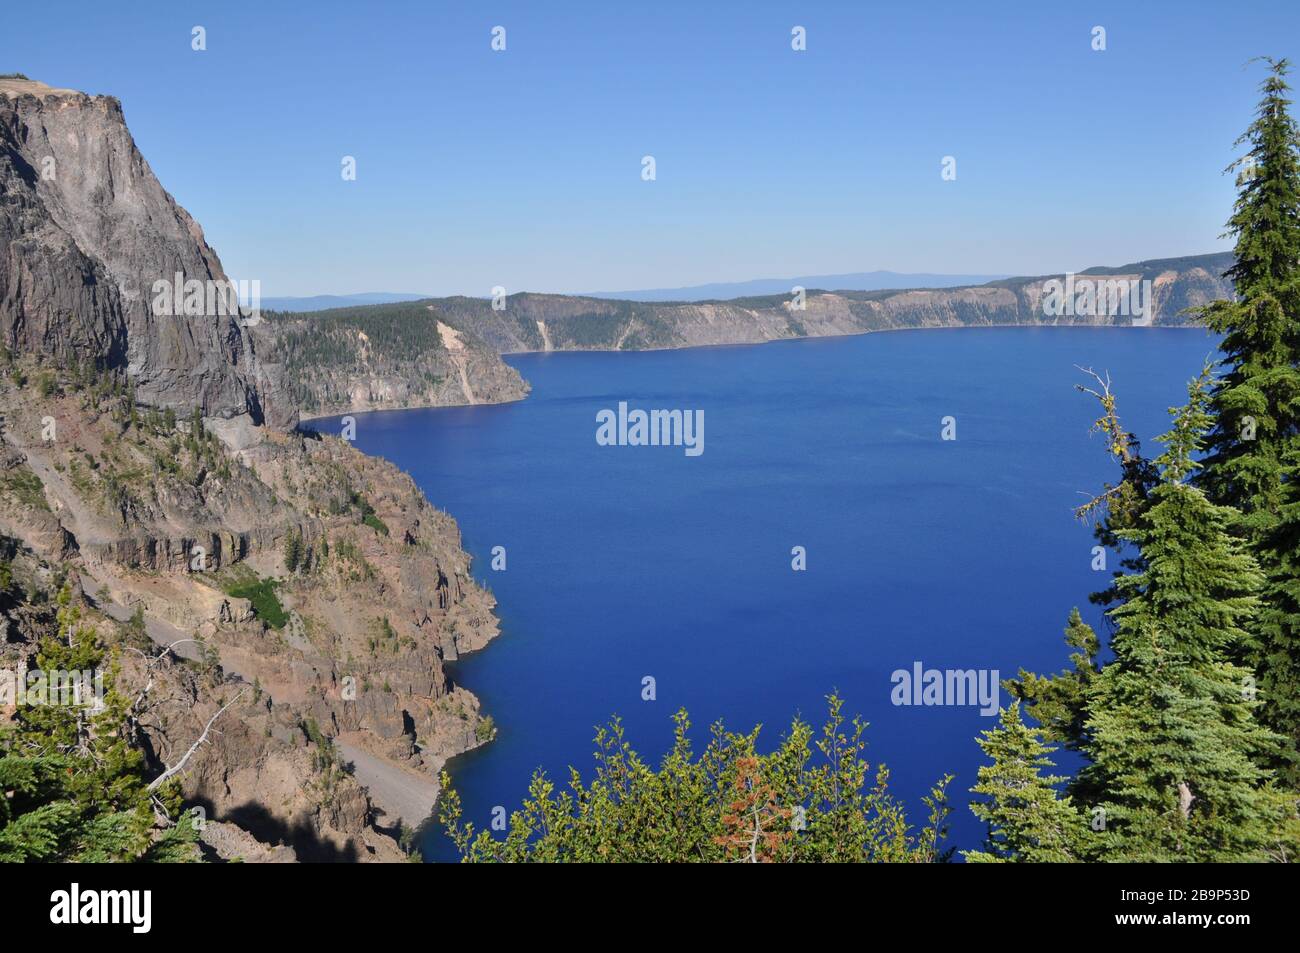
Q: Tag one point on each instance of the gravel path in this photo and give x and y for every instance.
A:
(401, 794)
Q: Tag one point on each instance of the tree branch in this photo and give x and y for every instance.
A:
(171, 772)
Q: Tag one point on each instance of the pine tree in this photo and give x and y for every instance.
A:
(1256, 401)
(292, 551)
(73, 783)
(1174, 743)
(1123, 505)
(1255, 443)
(1027, 820)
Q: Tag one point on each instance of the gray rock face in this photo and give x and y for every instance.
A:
(86, 230)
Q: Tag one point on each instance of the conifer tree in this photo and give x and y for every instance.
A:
(72, 783)
(1174, 743)
(1027, 820)
(1253, 448)
(1057, 702)
(293, 551)
(1256, 401)
(1120, 506)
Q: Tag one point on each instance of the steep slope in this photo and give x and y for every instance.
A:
(148, 466)
(86, 231)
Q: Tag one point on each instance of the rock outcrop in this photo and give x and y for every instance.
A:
(351, 359)
(86, 231)
(149, 456)
(317, 574)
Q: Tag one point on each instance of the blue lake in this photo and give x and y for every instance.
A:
(627, 562)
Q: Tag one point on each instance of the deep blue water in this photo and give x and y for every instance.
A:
(624, 562)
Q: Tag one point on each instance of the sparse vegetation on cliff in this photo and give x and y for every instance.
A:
(348, 359)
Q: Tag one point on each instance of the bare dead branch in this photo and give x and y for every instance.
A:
(171, 772)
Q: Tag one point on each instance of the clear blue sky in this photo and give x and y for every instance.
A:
(522, 168)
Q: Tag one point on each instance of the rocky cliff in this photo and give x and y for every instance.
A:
(405, 355)
(148, 465)
(86, 233)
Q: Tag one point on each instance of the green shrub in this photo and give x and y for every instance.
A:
(261, 593)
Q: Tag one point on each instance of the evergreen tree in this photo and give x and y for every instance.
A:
(1256, 401)
(1120, 506)
(1278, 630)
(1251, 464)
(1027, 820)
(1174, 742)
(293, 551)
(73, 782)
(1059, 702)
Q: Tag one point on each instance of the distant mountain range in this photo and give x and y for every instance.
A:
(854, 281)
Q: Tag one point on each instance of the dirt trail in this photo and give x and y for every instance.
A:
(162, 633)
(398, 793)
